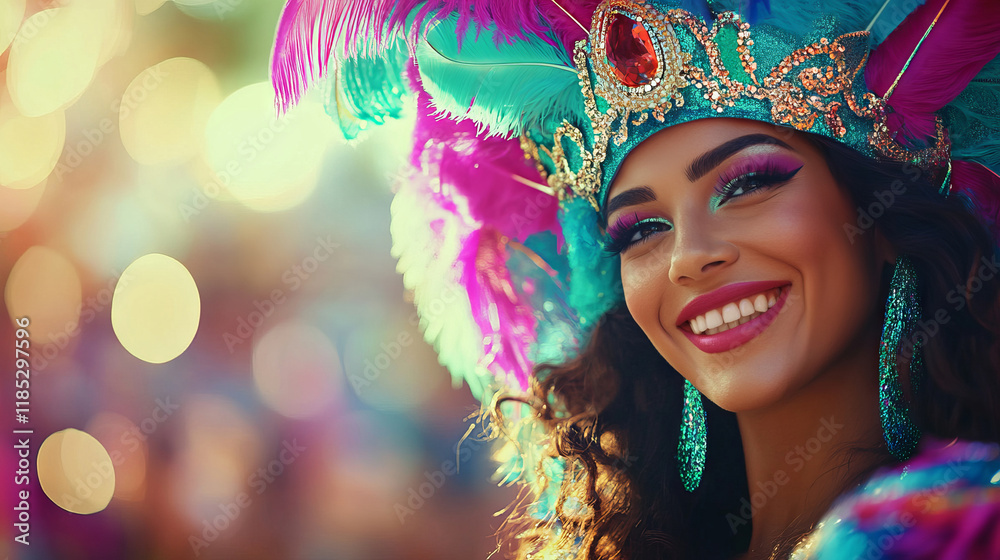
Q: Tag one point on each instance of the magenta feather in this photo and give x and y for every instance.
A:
(482, 171)
(982, 186)
(311, 31)
(477, 184)
(504, 317)
(965, 37)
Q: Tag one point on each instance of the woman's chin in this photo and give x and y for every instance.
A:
(747, 387)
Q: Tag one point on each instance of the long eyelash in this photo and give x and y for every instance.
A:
(768, 174)
(619, 236)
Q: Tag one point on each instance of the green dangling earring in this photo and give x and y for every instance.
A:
(902, 311)
(692, 443)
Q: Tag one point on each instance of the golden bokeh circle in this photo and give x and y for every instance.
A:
(156, 308)
(164, 109)
(76, 472)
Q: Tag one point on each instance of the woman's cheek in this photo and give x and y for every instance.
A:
(644, 273)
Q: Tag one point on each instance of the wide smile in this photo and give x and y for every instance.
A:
(748, 318)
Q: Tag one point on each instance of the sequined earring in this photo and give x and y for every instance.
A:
(692, 443)
(902, 311)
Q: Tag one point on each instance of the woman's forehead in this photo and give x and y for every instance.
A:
(677, 146)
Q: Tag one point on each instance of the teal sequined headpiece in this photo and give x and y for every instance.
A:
(520, 96)
(648, 66)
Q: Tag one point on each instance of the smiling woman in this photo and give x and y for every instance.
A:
(771, 306)
(752, 217)
(754, 319)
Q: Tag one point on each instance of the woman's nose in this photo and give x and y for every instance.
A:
(699, 249)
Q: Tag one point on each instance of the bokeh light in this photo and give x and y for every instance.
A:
(222, 450)
(76, 472)
(296, 369)
(17, 205)
(45, 287)
(29, 147)
(393, 369)
(269, 163)
(146, 7)
(108, 232)
(54, 57)
(115, 24)
(156, 308)
(11, 14)
(164, 110)
(120, 437)
(166, 145)
(210, 9)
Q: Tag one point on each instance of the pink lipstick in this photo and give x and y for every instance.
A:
(738, 335)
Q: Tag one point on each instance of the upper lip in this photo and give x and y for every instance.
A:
(726, 294)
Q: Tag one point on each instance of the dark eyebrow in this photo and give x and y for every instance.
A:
(712, 158)
(637, 195)
(698, 168)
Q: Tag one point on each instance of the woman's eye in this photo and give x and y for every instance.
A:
(741, 186)
(751, 183)
(618, 242)
(642, 231)
(744, 186)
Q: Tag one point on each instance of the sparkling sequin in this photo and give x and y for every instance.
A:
(692, 444)
(652, 75)
(901, 316)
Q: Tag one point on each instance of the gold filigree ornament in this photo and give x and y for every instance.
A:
(934, 159)
(812, 82)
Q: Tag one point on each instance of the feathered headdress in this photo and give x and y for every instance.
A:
(526, 109)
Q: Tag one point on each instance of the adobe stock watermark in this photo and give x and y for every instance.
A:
(88, 311)
(417, 496)
(103, 471)
(75, 153)
(796, 459)
(293, 278)
(876, 547)
(884, 199)
(138, 434)
(375, 366)
(930, 324)
(248, 149)
(229, 512)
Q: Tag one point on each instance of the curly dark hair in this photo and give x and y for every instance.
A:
(616, 422)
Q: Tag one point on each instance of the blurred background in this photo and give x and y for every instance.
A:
(221, 361)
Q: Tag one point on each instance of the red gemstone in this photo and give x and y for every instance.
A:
(630, 51)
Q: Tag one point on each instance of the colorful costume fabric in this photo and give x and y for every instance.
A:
(942, 504)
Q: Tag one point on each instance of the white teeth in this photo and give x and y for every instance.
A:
(733, 314)
(713, 319)
(730, 313)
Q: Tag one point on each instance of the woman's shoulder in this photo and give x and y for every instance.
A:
(942, 503)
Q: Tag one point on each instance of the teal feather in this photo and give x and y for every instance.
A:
(365, 89)
(532, 75)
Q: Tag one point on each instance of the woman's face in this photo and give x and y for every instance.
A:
(738, 222)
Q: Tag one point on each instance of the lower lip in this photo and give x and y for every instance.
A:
(737, 336)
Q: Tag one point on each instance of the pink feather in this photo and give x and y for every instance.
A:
(965, 37)
(483, 172)
(477, 184)
(310, 31)
(982, 186)
(504, 317)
